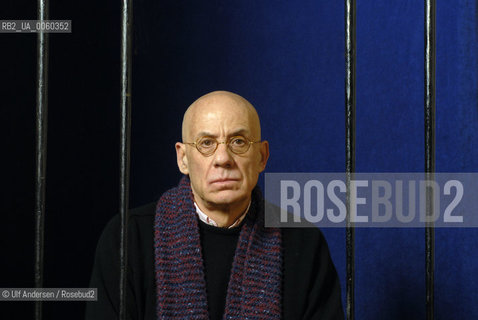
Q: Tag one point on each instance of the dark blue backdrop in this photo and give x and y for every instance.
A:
(287, 58)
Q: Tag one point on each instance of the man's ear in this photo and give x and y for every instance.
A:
(181, 157)
(264, 151)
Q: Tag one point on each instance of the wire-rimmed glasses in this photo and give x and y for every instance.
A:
(208, 145)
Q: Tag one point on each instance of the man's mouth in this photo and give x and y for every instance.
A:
(223, 181)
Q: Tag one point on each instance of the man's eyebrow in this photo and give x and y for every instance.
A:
(238, 132)
(205, 134)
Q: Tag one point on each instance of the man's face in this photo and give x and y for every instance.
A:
(222, 179)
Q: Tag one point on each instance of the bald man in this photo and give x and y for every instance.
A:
(223, 181)
(202, 251)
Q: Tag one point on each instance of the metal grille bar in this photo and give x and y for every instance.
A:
(350, 54)
(430, 60)
(125, 133)
(41, 149)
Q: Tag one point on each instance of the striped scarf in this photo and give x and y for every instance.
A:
(254, 289)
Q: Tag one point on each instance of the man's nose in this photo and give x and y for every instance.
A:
(223, 155)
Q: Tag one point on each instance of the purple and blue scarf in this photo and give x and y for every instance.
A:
(254, 290)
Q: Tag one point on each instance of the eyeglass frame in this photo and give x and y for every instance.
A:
(249, 143)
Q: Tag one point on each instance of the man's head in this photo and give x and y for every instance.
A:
(224, 180)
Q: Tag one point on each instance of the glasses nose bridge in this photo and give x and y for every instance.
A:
(227, 145)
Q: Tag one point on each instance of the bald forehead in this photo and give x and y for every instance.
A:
(220, 105)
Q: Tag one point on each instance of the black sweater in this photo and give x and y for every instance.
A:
(311, 288)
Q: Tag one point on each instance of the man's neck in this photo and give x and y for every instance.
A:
(225, 216)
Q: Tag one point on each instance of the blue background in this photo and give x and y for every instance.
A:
(287, 58)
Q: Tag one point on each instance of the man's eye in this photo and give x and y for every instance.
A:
(238, 141)
(207, 143)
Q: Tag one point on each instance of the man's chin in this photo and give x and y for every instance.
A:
(226, 197)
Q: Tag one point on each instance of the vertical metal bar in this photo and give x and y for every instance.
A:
(41, 150)
(125, 133)
(430, 50)
(350, 57)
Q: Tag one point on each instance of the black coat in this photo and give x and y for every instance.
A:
(311, 288)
